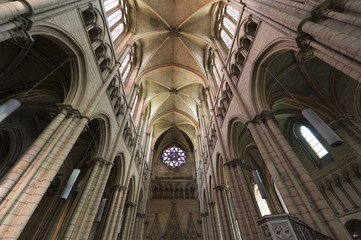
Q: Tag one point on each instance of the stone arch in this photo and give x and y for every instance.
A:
(353, 226)
(257, 83)
(43, 73)
(78, 81)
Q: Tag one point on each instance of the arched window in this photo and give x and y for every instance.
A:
(312, 141)
(126, 66)
(174, 157)
(227, 24)
(280, 199)
(116, 12)
(262, 203)
(134, 104)
(216, 70)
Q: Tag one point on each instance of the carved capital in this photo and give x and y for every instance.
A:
(212, 203)
(100, 162)
(221, 187)
(234, 162)
(263, 117)
(141, 215)
(305, 51)
(321, 10)
(204, 214)
(131, 204)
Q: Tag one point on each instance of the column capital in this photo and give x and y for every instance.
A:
(305, 51)
(118, 186)
(131, 204)
(263, 117)
(234, 162)
(141, 215)
(341, 121)
(212, 203)
(73, 113)
(204, 214)
(221, 187)
(100, 161)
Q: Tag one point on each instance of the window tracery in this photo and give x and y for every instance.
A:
(174, 157)
(116, 12)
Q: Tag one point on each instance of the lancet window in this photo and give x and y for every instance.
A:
(227, 24)
(116, 12)
(312, 141)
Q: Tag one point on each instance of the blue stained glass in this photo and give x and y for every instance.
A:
(174, 157)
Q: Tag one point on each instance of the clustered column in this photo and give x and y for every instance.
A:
(244, 207)
(293, 181)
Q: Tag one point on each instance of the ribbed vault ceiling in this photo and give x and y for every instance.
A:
(174, 37)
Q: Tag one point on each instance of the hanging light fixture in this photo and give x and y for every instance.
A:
(69, 185)
(8, 107)
(99, 215)
(321, 127)
(12, 104)
(258, 180)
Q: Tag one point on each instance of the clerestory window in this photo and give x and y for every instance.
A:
(312, 141)
(116, 12)
(216, 70)
(126, 66)
(228, 18)
(313, 147)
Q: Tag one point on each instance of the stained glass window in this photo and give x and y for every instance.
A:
(174, 157)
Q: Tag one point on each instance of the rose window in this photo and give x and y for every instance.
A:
(174, 157)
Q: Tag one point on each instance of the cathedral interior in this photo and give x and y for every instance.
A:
(180, 119)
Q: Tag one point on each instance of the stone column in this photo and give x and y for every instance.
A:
(215, 229)
(47, 138)
(243, 203)
(349, 131)
(127, 222)
(111, 213)
(15, 215)
(139, 223)
(113, 219)
(309, 47)
(296, 186)
(225, 217)
(96, 196)
(84, 214)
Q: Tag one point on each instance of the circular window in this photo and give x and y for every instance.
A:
(174, 157)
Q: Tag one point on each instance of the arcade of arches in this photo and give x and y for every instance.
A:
(147, 119)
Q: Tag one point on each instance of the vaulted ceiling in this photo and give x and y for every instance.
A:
(175, 36)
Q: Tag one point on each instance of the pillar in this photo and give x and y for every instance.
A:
(294, 183)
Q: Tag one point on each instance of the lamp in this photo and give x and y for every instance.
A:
(12, 104)
(69, 185)
(259, 183)
(8, 107)
(321, 127)
(326, 132)
(101, 210)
